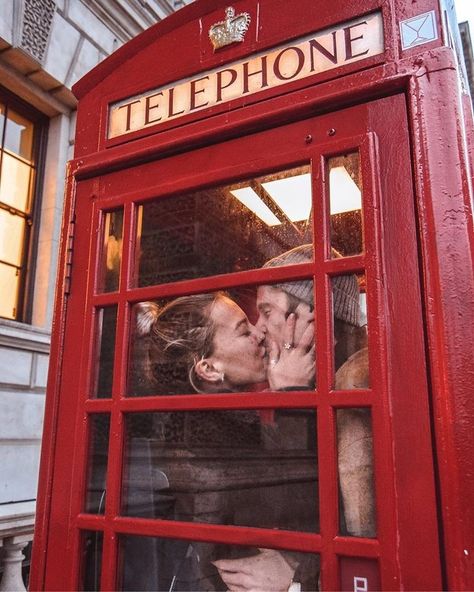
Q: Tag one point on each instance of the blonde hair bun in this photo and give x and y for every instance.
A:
(146, 316)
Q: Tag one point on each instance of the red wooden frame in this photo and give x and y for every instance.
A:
(105, 175)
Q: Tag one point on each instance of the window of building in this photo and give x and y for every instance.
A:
(21, 131)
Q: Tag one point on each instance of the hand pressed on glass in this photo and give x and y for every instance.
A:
(267, 571)
(292, 366)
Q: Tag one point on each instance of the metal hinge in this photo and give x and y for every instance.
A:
(70, 192)
(69, 253)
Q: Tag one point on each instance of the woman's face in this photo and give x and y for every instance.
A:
(238, 350)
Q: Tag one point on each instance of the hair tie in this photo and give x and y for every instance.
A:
(146, 315)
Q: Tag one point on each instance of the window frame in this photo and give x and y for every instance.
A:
(27, 267)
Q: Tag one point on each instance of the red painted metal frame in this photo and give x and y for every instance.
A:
(442, 210)
(324, 400)
(447, 243)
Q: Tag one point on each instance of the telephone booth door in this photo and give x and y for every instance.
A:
(243, 394)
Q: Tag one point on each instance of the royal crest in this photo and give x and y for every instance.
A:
(231, 30)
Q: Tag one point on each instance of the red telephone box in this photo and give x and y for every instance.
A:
(262, 354)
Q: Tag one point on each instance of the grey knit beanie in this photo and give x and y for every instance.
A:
(345, 288)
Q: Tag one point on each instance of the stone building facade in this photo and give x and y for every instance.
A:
(45, 47)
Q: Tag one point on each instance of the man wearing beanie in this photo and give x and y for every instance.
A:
(286, 316)
(345, 288)
(277, 302)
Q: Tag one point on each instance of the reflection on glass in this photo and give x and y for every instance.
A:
(92, 543)
(97, 463)
(216, 342)
(345, 201)
(176, 566)
(19, 135)
(15, 182)
(356, 472)
(2, 119)
(111, 251)
(105, 347)
(244, 468)
(12, 228)
(9, 280)
(182, 237)
(351, 359)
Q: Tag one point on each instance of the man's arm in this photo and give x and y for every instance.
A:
(355, 454)
(292, 365)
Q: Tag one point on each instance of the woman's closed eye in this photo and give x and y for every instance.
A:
(243, 328)
(246, 332)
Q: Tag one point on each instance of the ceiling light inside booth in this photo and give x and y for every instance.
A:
(345, 196)
(292, 195)
(248, 197)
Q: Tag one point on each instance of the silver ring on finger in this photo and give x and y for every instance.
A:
(287, 345)
(273, 362)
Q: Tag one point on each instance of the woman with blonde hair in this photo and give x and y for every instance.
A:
(202, 343)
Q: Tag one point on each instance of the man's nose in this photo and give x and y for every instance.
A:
(260, 324)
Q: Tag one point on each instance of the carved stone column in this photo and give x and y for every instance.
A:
(12, 580)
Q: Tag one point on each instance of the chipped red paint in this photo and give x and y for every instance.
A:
(405, 111)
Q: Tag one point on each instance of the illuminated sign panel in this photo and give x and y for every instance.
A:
(337, 46)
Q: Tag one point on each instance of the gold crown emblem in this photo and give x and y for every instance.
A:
(231, 30)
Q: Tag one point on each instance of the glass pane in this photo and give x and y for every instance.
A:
(2, 121)
(9, 281)
(345, 199)
(12, 229)
(176, 566)
(105, 348)
(351, 354)
(92, 543)
(19, 135)
(97, 465)
(242, 468)
(356, 472)
(250, 339)
(182, 237)
(15, 182)
(111, 251)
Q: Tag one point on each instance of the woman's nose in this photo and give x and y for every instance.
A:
(258, 333)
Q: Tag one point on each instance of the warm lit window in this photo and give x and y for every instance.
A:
(18, 170)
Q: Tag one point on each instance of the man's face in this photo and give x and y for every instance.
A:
(273, 307)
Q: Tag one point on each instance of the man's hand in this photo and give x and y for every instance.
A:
(266, 572)
(292, 364)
